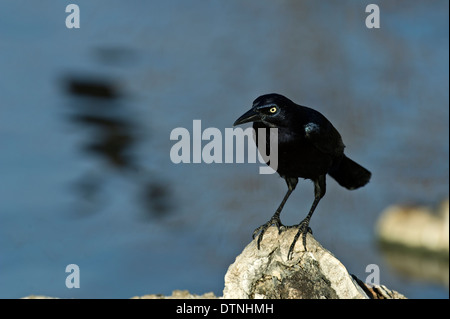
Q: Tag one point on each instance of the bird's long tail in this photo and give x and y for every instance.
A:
(350, 174)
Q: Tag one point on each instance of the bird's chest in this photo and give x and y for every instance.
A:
(297, 157)
(301, 159)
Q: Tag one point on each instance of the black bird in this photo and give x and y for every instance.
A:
(309, 147)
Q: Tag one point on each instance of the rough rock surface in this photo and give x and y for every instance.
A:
(316, 273)
(178, 294)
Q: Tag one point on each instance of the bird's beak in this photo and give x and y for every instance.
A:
(250, 116)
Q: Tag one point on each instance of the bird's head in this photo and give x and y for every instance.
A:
(269, 109)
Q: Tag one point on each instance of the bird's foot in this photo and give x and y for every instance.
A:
(262, 229)
(303, 229)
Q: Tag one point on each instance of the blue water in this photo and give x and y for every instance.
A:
(89, 181)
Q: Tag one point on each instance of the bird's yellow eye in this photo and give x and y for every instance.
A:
(273, 109)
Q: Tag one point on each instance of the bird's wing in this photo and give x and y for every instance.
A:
(324, 137)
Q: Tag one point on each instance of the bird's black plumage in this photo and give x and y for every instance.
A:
(309, 146)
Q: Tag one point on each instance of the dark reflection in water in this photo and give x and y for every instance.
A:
(99, 108)
(92, 88)
(114, 142)
(155, 197)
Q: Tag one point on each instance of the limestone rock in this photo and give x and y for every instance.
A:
(38, 297)
(267, 273)
(178, 294)
(416, 227)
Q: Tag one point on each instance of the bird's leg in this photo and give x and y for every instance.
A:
(275, 220)
(303, 227)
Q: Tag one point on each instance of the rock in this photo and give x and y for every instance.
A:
(178, 294)
(378, 291)
(316, 273)
(38, 297)
(416, 227)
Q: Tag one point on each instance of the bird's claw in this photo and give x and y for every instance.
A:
(303, 229)
(262, 229)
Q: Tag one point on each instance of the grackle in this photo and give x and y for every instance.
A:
(308, 147)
